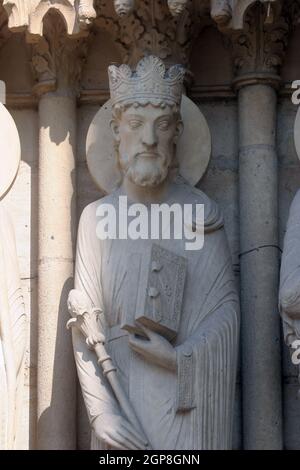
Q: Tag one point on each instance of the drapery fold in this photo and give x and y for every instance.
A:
(12, 337)
(289, 290)
(190, 409)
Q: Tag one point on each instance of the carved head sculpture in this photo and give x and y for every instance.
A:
(146, 120)
(86, 11)
(221, 11)
(176, 7)
(124, 7)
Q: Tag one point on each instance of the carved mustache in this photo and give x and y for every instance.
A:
(121, 11)
(148, 155)
(177, 8)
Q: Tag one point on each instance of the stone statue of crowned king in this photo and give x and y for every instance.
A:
(180, 385)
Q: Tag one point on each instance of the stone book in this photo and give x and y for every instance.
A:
(155, 292)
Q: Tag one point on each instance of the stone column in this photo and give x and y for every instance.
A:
(259, 264)
(56, 61)
(256, 57)
(57, 218)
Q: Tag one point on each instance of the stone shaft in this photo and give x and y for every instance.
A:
(56, 372)
(259, 268)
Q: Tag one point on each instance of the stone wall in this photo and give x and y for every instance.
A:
(211, 63)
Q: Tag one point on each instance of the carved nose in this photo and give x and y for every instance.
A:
(149, 136)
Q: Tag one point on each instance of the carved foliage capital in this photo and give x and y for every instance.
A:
(151, 29)
(259, 48)
(57, 60)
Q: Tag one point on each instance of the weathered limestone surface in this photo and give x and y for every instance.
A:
(259, 258)
(213, 64)
(289, 184)
(180, 353)
(21, 202)
(13, 326)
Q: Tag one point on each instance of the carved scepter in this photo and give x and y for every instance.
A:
(87, 321)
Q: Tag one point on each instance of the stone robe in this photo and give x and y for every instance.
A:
(289, 292)
(12, 336)
(190, 409)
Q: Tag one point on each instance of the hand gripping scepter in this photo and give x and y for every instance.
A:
(87, 321)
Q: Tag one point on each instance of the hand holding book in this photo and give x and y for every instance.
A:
(155, 348)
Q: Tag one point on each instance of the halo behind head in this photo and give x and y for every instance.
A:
(10, 150)
(193, 148)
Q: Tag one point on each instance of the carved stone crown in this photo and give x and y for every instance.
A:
(149, 83)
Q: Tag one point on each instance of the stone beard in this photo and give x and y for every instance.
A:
(182, 392)
(143, 161)
(12, 336)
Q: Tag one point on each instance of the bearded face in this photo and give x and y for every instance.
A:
(146, 137)
(124, 7)
(176, 7)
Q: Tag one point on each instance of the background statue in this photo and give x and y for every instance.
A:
(124, 7)
(86, 11)
(289, 291)
(177, 7)
(181, 387)
(12, 313)
(221, 11)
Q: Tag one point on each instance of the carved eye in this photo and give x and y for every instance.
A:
(163, 125)
(135, 124)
